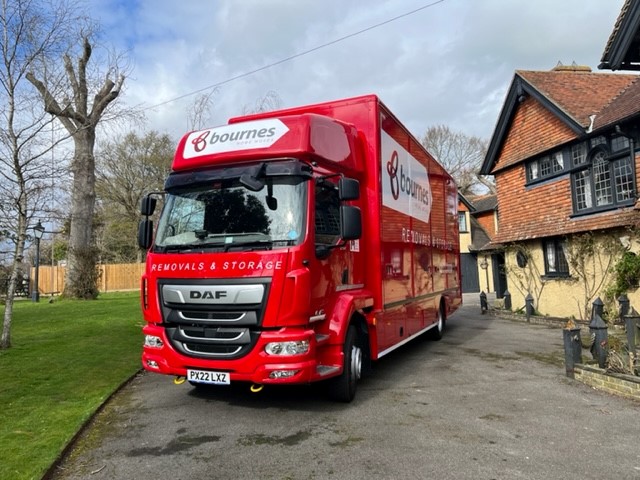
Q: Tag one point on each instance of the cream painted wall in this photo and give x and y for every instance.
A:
(484, 273)
(557, 297)
(465, 237)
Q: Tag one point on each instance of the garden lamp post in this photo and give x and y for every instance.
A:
(38, 231)
(484, 264)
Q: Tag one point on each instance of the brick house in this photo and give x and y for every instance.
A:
(564, 157)
(481, 263)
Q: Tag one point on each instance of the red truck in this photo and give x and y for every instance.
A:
(297, 246)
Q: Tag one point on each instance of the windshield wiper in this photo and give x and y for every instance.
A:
(249, 245)
(258, 245)
(227, 242)
(190, 247)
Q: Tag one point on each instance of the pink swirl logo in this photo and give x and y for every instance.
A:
(392, 171)
(200, 142)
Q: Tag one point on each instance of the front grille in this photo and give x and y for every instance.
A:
(213, 318)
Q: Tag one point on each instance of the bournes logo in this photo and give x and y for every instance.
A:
(234, 137)
(207, 294)
(200, 142)
(405, 183)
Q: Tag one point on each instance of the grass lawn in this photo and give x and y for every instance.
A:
(66, 358)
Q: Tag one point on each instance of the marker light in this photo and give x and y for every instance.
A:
(283, 373)
(153, 342)
(152, 364)
(287, 348)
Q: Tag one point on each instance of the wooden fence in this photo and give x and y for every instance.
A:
(119, 277)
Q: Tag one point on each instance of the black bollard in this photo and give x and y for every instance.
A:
(597, 308)
(632, 323)
(631, 326)
(507, 300)
(600, 335)
(623, 302)
(529, 306)
(484, 306)
(572, 348)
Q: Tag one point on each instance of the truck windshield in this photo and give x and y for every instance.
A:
(229, 217)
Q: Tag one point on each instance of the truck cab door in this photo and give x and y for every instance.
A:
(332, 265)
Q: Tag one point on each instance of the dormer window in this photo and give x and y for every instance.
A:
(579, 154)
(605, 179)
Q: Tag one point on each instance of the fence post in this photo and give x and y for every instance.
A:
(572, 347)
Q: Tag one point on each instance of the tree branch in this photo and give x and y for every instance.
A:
(108, 93)
(82, 74)
(52, 107)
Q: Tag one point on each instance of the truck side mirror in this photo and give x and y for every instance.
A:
(148, 205)
(145, 233)
(348, 189)
(350, 222)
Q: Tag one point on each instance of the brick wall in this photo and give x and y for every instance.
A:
(544, 209)
(487, 222)
(616, 384)
(533, 130)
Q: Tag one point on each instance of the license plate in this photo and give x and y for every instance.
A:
(212, 378)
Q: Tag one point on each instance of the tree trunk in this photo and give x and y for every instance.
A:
(81, 281)
(5, 341)
(16, 276)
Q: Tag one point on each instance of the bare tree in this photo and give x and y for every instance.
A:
(199, 112)
(80, 114)
(127, 169)
(461, 155)
(27, 36)
(267, 103)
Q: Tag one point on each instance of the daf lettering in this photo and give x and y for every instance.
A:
(207, 294)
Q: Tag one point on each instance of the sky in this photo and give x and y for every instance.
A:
(442, 62)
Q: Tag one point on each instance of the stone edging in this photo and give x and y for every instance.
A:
(627, 386)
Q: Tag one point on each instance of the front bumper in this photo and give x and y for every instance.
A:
(320, 361)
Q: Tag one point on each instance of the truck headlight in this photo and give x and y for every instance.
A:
(287, 348)
(153, 341)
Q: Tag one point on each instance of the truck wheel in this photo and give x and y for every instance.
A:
(437, 332)
(343, 387)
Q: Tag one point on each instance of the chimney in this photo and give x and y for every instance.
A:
(574, 67)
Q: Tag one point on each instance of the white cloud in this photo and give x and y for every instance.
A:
(448, 64)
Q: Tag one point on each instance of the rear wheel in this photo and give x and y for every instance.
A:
(343, 387)
(437, 332)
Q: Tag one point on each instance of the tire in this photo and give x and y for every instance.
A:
(343, 387)
(437, 332)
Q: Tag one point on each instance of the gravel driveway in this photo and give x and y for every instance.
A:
(489, 401)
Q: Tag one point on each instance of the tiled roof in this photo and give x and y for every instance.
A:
(616, 30)
(625, 105)
(484, 202)
(481, 240)
(622, 51)
(579, 94)
(573, 95)
(557, 225)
